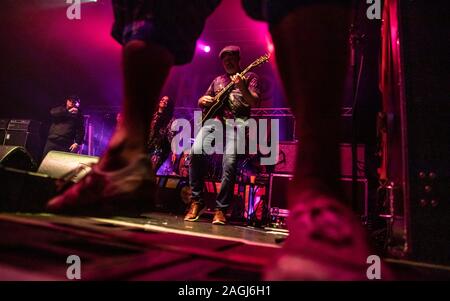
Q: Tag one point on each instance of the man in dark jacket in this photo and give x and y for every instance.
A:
(66, 133)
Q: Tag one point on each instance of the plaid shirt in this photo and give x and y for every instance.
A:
(236, 106)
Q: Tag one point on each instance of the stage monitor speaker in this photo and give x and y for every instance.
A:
(16, 157)
(67, 166)
(30, 141)
(25, 191)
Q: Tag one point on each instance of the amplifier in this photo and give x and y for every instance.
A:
(288, 152)
(24, 125)
(286, 157)
(278, 193)
(29, 140)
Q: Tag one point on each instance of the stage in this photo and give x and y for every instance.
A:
(156, 246)
(267, 110)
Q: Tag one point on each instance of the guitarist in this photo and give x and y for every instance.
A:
(242, 96)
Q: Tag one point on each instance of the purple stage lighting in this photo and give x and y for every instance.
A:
(203, 47)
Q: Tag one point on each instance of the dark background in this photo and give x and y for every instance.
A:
(44, 57)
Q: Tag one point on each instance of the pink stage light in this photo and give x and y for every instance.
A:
(203, 47)
(269, 44)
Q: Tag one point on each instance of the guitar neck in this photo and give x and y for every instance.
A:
(230, 84)
(249, 67)
(219, 99)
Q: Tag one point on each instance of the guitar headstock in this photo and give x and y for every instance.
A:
(261, 60)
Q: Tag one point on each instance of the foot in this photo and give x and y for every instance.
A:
(195, 210)
(219, 217)
(128, 190)
(326, 242)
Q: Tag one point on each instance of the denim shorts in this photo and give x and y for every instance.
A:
(177, 24)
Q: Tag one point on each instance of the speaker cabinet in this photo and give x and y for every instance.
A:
(288, 152)
(286, 157)
(24, 125)
(23, 191)
(30, 141)
(278, 193)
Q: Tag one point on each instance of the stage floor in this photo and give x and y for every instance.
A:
(156, 246)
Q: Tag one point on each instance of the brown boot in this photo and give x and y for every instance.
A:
(219, 217)
(194, 212)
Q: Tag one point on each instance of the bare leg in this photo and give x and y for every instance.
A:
(326, 241)
(311, 46)
(145, 68)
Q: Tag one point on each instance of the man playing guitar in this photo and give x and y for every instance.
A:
(237, 104)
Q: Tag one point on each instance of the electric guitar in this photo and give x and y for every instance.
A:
(220, 98)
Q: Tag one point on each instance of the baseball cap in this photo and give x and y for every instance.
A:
(232, 49)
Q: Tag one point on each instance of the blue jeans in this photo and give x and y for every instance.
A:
(229, 165)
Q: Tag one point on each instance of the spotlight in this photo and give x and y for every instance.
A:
(203, 47)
